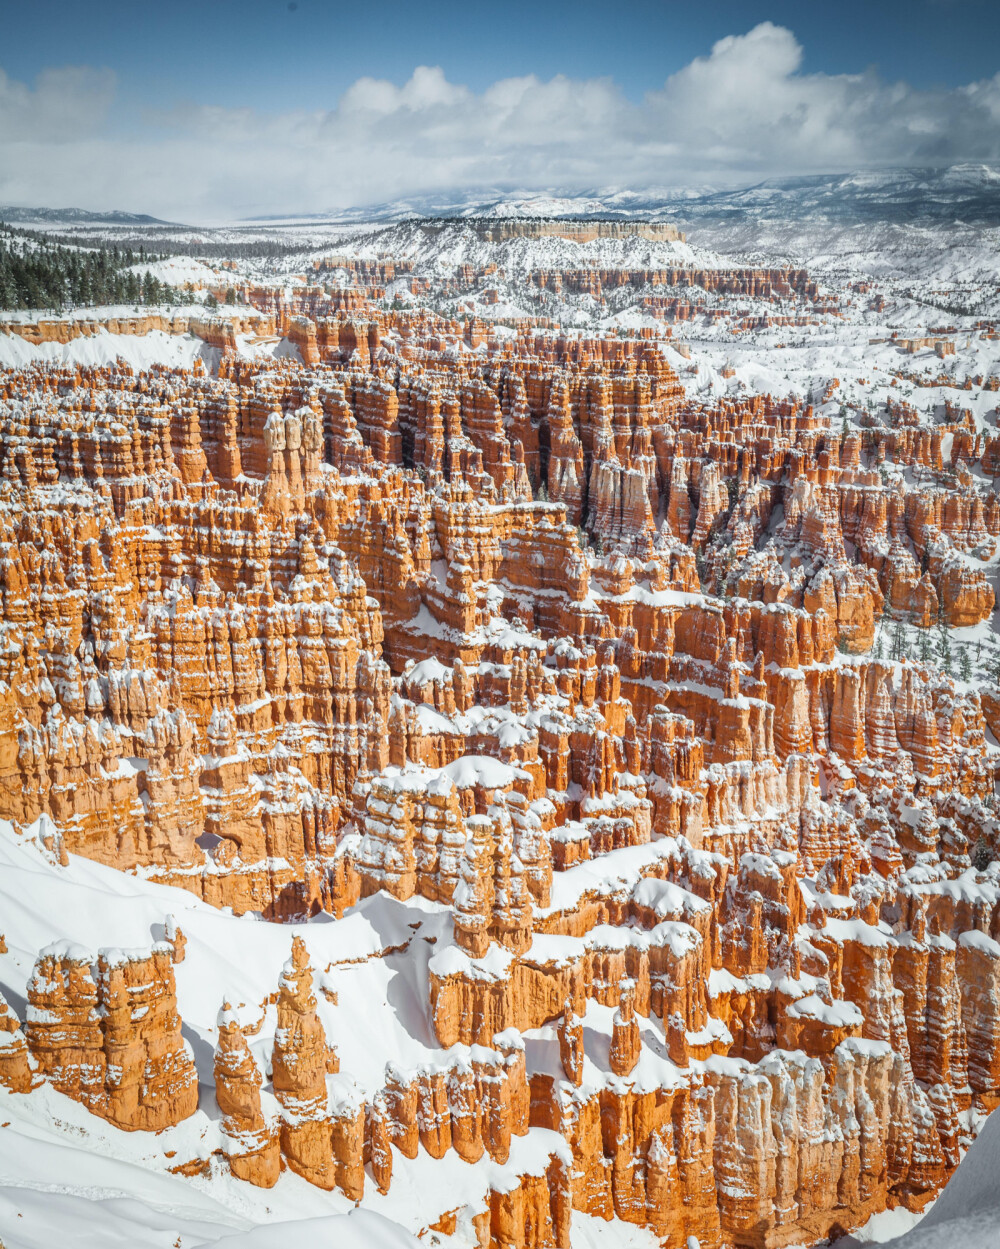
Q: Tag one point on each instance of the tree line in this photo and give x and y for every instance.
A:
(205, 249)
(36, 272)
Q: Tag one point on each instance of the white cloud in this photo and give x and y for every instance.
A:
(743, 111)
(63, 105)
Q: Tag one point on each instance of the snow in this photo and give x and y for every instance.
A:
(838, 1014)
(551, 950)
(617, 872)
(975, 940)
(965, 1216)
(140, 351)
(458, 243)
(59, 1187)
(494, 965)
(882, 1227)
(179, 271)
(480, 770)
(428, 670)
(591, 1232)
(856, 931)
(358, 1229)
(653, 1071)
(67, 1175)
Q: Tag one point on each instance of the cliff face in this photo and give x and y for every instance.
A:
(508, 627)
(576, 231)
(216, 331)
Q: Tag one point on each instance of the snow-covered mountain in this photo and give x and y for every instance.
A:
(75, 217)
(969, 193)
(933, 224)
(499, 203)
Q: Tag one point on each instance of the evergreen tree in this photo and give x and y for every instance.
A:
(37, 271)
(982, 854)
(964, 665)
(898, 644)
(943, 650)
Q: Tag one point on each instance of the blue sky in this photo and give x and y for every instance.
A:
(223, 109)
(273, 55)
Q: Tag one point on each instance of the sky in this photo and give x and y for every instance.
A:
(218, 110)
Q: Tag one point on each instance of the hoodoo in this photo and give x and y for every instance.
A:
(499, 663)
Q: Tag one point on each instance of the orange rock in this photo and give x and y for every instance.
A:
(381, 1146)
(151, 1081)
(15, 1062)
(63, 1027)
(299, 1065)
(571, 1045)
(113, 1042)
(626, 1041)
(298, 633)
(252, 1145)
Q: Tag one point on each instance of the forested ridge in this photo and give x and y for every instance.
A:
(37, 273)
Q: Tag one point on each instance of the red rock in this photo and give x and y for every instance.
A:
(571, 1045)
(625, 1039)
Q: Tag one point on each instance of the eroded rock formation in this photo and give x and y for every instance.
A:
(509, 627)
(108, 1034)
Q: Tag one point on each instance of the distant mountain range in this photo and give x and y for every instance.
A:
(969, 194)
(75, 217)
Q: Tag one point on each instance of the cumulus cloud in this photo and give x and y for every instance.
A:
(744, 111)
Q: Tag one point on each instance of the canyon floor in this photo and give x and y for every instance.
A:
(498, 739)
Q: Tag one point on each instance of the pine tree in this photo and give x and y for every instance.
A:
(943, 641)
(943, 649)
(150, 289)
(48, 275)
(982, 854)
